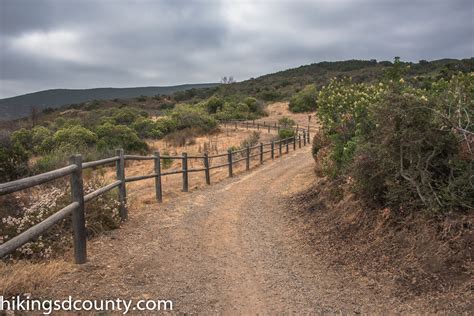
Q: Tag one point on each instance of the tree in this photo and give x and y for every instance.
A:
(227, 80)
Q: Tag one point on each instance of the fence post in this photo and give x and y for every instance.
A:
(273, 149)
(185, 172)
(247, 124)
(299, 140)
(122, 190)
(304, 138)
(279, 148)
(308, 136)
(229, 160)
(264, 123)
(78, 217)
(206, 166)
(261, 153)
(158, 188)
(247, 160)
(294, 142)
(287, 145)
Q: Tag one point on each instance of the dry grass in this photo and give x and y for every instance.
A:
(23, 277)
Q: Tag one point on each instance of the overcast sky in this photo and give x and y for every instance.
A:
(47, 44)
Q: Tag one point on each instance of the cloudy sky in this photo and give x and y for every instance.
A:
(47, 44)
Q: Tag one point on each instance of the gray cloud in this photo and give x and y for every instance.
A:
(80, 44)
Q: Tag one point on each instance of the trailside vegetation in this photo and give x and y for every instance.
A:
(403, 146)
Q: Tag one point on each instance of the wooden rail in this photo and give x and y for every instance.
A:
(76, 208)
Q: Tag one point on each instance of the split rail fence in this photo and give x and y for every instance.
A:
(76, 209)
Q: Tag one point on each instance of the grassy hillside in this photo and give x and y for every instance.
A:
(283, 84)
(21, 106)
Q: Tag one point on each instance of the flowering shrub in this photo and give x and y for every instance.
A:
(344, 109)
(405, 147)
(39, 204)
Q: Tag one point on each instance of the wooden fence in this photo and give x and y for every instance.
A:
(76, 208)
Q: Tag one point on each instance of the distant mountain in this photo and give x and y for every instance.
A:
(20, 106)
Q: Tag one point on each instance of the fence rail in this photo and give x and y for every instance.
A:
(76, 208)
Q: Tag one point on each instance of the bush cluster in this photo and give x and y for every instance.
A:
(404, 147)
(305, 100)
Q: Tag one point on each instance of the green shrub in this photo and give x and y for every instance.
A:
(75, 137)
(286, 132)
(13, 159)
(410, 161)
(125, 116)
(304, 101)
(23, 138)
(42, 140)
(147, 128)
(119, 136)
(165, 125)
(214, 104)
(188, 116)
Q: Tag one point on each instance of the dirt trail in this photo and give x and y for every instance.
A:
(232, 247)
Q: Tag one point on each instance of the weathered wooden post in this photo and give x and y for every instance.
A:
(78, 217)
(247, 159)
(206, 166)
(279, 148)
(247, 124)
(264, 124)
(122, 191)
(308, 136)
(185, 172)
(294, 142)
(299, 140)
(158, 189)
(261, 153)
(273, 149)
(304, 138)
(229, 160)
(287, 143)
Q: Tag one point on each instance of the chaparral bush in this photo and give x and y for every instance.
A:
(404, 147)
(305, 100)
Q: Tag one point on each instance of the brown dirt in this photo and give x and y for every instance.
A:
(423, 261)
(233, 247)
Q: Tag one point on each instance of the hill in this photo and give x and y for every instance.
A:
(20, 106)
(282, 85)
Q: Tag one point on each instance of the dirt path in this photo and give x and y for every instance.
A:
(232, 247)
